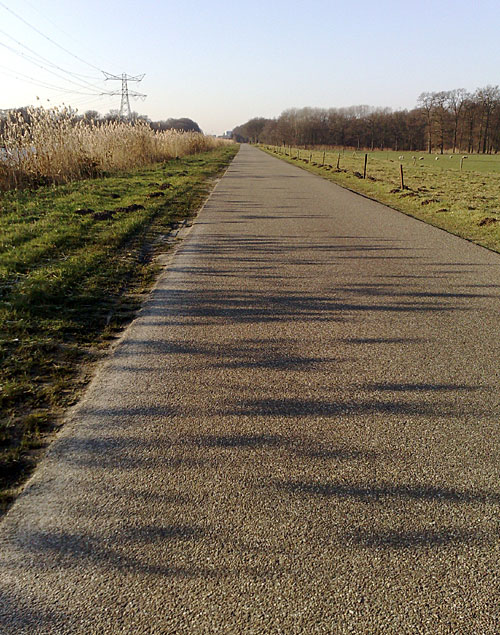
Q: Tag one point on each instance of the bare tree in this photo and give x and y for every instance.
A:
(427, 103)
(455, 101)
(487, 97)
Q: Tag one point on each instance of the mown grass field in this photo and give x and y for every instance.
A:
(75, 260)
(464, 202)
(487, 163)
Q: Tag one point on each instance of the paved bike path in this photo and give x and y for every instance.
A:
(298, 434)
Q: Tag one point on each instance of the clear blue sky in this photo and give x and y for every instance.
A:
(221, 63)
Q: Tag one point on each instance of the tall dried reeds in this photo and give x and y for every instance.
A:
(54, 146)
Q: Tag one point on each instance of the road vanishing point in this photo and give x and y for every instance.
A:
(298, 434)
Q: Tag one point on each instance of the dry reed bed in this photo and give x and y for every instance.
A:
(53, 146)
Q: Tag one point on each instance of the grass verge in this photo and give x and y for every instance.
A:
(465, 203)
(75, 262)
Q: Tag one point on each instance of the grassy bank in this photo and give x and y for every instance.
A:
(465, 202)
(75, 260)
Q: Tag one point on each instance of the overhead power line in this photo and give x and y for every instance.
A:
(47, 37)
(71, 36)
(97, 89)
(125, 110)
(44, 59)
(42, 84)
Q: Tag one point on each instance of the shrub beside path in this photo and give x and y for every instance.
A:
(299, 434)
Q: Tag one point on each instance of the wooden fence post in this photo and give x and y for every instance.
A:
(402, 176)
(323, 158)
(338, 162)
(364, 169)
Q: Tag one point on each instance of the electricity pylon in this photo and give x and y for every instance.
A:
(125, 111)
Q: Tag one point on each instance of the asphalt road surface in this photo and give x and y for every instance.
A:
(299, 434)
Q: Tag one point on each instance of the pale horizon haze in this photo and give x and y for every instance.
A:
(222, 63)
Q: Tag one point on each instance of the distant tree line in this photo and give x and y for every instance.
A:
(188, 125)
(185, 124)
(453, 120)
